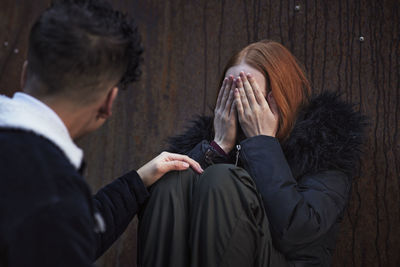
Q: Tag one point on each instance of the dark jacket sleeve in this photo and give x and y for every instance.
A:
(206, 155)
(118, 202)
(57, 234)
(298, 211)
(195, 143)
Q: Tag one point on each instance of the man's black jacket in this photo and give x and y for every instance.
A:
(48, 216)
(304, 182)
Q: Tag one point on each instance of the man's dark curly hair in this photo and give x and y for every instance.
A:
(79, 47)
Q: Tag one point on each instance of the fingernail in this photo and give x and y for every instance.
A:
(184, 164)
(249, 75)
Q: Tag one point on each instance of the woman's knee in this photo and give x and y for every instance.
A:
(222, 178)
(173, 181)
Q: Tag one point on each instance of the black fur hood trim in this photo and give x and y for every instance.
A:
(328, 134)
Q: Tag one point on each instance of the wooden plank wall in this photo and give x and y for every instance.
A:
(348, 46)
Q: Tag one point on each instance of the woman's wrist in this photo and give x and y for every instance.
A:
(268, 133)
(221, 147)
(257, 133)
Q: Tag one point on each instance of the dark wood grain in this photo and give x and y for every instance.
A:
(186, 46)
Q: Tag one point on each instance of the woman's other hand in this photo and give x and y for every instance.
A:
(225, 122)
(163, 163)
(256, 115)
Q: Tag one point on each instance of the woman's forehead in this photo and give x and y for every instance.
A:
(258, 76)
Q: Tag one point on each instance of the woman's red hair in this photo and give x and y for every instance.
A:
(284, 78)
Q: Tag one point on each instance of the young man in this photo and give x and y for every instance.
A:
(80, 53)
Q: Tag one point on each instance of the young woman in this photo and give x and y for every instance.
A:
(279, 170)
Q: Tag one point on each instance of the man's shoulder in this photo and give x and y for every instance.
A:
(25, 146)
(34, 163)
(35, 174)
(21, 138)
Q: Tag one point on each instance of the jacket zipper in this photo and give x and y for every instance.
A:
(238, 148)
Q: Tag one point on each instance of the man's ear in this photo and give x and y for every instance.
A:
(105, 110)
(23, 74)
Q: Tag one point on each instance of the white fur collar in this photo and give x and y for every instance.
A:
(26, 113)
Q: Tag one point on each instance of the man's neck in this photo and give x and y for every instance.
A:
(74, 118)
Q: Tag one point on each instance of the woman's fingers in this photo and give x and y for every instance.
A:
(229, 102)
(238, 104)
(231, 95)
(233, 84)
(226, 92)
(256, 90)
(248, 89)
(242, 93)
(233, 110)
(221, 92)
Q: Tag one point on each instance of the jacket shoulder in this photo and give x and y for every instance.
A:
(199, 129)
(328, 135)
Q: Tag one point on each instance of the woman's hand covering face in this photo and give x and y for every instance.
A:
(225, 121)
(256, 116)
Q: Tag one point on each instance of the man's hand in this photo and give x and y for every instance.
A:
(225, 122)
(163, 163)
(256, 115)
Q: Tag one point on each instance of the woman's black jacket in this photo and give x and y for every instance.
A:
(305, 182)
